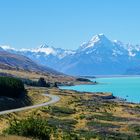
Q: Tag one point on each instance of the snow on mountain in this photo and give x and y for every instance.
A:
(99, 55)
(42, 49)
(1, 49)
(43, 54)
(101, 45)
(6, 47)
(95, 40)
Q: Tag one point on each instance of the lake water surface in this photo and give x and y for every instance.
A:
(124, 87)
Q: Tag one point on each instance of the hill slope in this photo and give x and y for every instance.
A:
(19, 62)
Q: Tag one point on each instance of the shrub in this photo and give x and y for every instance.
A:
(42, 128)
(135, 128)
(62, 110)
(43, 83)
(82, 116)
(30, 82)
(31, 127)
(97, 124)
(106, 117)
(83, 80)
(55, 85)
(64, 124)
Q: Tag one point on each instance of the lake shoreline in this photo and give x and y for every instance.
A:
(121, 87)
(109, 76)
(103, 95)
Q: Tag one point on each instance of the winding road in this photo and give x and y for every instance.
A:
(54, 99)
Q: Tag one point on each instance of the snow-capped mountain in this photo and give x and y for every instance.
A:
(43, 54)
(99, 55)
(19, 62)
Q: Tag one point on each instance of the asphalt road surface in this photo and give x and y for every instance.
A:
(54, 99)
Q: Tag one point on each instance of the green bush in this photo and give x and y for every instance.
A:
(87, 135)
(82, 116)
(30, 82)
(42, 129)
(64, 124)
(97, 124)
(83, 80)
(61, 110)
(31, 127)
(106, 117)
(11, 87)
(135, 128)
(42, 82)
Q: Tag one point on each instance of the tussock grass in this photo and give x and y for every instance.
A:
(87, 116)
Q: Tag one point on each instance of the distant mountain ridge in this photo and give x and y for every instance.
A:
(98, 56)
(19, 62)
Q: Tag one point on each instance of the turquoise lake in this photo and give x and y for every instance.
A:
(123, 87)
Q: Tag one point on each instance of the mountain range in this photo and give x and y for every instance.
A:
(98, 56)
(14, 61)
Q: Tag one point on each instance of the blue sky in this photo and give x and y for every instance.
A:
(67, 23)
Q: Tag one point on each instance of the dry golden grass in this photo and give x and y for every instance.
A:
(35, 75)
(116, 110)
(13, 138)
(36, 95)
(79, 102)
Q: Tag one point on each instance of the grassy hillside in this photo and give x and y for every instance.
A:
(13, 94)
(22, 67)
(78, 116)
(13, 138)
(18, 62)
(33, 96)
(61, 79)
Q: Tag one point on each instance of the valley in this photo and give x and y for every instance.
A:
(76, 115)
(69, 70)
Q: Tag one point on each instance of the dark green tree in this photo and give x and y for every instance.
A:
(11, 87)
(42, 82)
(55, 85)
